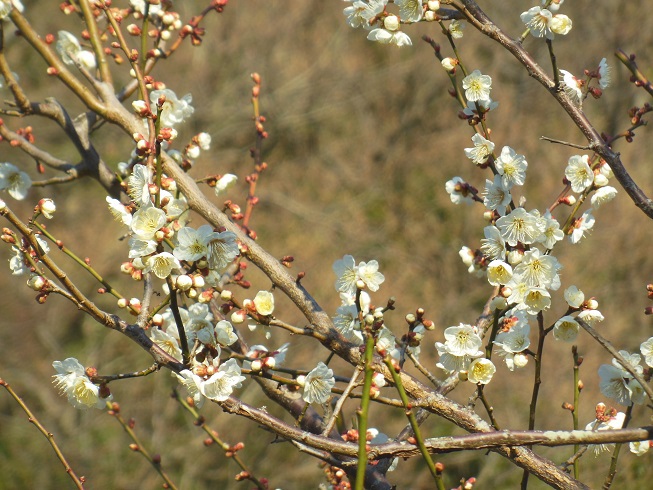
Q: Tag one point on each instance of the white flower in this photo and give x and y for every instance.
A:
(483, 148)
(520, 226)
(384, 36)
(479, 107)
(70, 51)
(614, 422)
(591, 317)
(581, 226)
(193, 244)
(517, 338)
(512, 167)
(138, 184)
(348, 274)
(224, 183)
(566, 329)
(496, 197)
(167, 342)
(71, 379)
(456, 29)
(613, 383)
(7, 5)
(536, 300)
(360, 13)
(481, 371)
(498, 272)
(139, 6)
(318, 384)
(264, 303)
(174, 110)
(453, 363)
(224, 333)
(574, 296)
(161, 264)
(579, 173)
(493, 245)
(14, 180)
(639, 448)
(462, 340)
(538, 20)
(646, 348)
(458, 191)
(572, 86)
(119, 211)
(477, 86)
(552, 233)
(560, 24)
(220, 385)
(223, 249)
(539, 270)
(147, 221)
(603, 195)
(410, 10)
(605, 74)
(192, 384)
(449, 64)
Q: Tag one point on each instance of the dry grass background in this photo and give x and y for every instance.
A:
(363, 138)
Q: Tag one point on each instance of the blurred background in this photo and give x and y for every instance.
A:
(362, 139)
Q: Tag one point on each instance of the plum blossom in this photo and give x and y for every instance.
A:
(521, 226)
(459, 191)
(496, 196)
(174, 110)
(318, 384)
(512, 167)
(348, 274)
(582, 226)
(477, 86)
(579, 173)
(14, 181)
(72, 381)
(390, 33)
(481, 151)
(480, 371)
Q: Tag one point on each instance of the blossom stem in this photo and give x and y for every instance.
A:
(536, 383)
(554, 64)
(437, 477)
(138, 447)
(96, 42)
(353, 382)
(574, 412)
(114, 377)
(185, 352)
(363, 411)
(48, 435)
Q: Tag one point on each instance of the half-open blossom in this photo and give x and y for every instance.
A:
(264, 303)
(138, 184)
(480, 371)
(605, 74)
(582, 226)
(224, 183)
(603, 195)
(459, 191)
(161, 264)
(493, 245)
(572, 86)
(574, 296)
(318, 384)
(70, 51)
(456, 28)
(646, 348)
(566, 329)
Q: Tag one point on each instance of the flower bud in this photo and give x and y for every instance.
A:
(47, 207)
(433, 5)
(238, 316)
(226, 295)
(157, 320)
(391, 22)
(184, 282)
(449, 64)
(600, 180)
(122, 302)
(37, 282)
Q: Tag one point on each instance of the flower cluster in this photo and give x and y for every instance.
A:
(385, 27)
(543, 22)
(460, 353)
